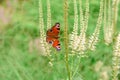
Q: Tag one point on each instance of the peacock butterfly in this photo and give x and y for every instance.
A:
(52, 36)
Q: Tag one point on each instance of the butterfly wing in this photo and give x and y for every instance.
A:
(52, 36)
(54, 31)
(56, 44)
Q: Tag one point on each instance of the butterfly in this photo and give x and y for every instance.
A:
(52, 36)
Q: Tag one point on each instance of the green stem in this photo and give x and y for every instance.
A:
(66, 36)
(76, 69)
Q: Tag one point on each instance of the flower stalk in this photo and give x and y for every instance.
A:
(66, 36)
(48, 15)
(116, 59)
(43, 43)
(94, 37)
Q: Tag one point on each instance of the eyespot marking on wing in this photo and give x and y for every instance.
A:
(51, 30)
(58, 28)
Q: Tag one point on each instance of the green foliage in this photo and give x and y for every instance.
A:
(18, 63)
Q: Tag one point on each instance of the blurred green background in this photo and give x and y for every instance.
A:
(19, 25)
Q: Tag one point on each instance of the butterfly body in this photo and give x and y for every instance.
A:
(52, 36)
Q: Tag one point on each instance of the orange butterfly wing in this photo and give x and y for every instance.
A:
(52, 36)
